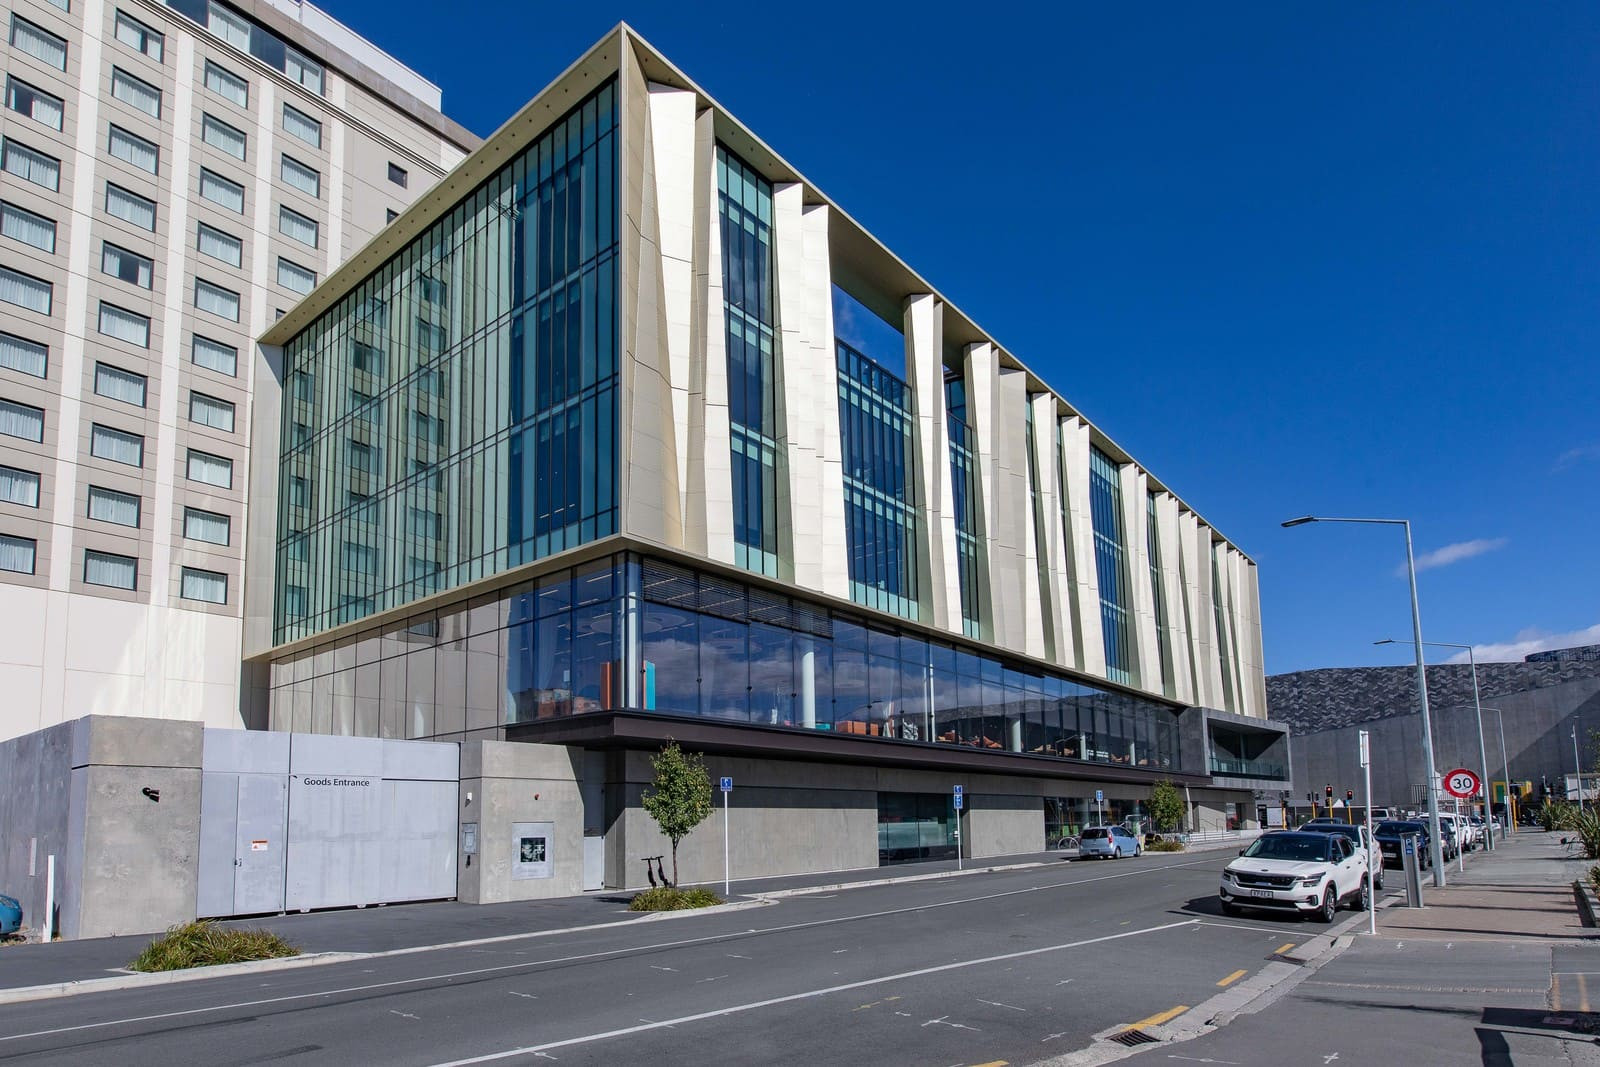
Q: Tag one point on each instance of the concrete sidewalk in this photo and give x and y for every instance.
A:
(1495, 969)
(409, 926)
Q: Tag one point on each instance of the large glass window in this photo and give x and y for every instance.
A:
(19, 487)
(21, 354)
(141, 38)
(38, 42)
(35, 103)
(745, 206)
(484, 359)
(221, 191)
(130, 207)
(30, 164)
(133, 149)
(26, 291)
(21, 420)
(881, 514)
(1110, 558)
(20, 224)
(135, 92)
(17, 554)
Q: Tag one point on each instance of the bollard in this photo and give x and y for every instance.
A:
(1411, 860)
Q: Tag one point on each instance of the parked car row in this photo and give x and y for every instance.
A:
(1306, 872)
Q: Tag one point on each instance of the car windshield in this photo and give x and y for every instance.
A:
(1395, 829)
(1341, 829)
(1288, 847)
(1094, 835)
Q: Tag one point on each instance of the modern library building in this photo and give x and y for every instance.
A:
(625, 432)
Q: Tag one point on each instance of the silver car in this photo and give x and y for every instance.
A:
(1108, 841)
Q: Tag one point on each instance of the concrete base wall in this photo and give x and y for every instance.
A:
(35, 782)
(503, 783)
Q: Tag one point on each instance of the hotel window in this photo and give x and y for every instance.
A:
(19, 487)
(297, 227)
(26, 291)
(296, 278)
(38, 42)
(216, 300)
(209, 411)
(22, 421)
(227, 84)
(212, 470)
(214, 355)
(30, 164)
(126, 266)
(299, 176)
(110, 569)
(114, 383)
(17, 554)
(207, 526)
(139, 37)
(118, 446)
(130, 207)
(208, 586)
(108, 505)
(133, 149)
(1110, 556)
(37, 104)
(221, 191)
(218, 245)
(222, 137)
(21, 354)
(397, 174)
(22, 225)
(303, 69)
(124, 325)
(234, 29)
(135, 92)
(302, 126)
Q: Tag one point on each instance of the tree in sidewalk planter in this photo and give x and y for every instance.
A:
(1166, 806)
(1555, 815)
(1586, 824)
(680, 797)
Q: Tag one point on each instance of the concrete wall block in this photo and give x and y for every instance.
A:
(124, 741)
(35, 807)
(136, 849)
(1003, 826)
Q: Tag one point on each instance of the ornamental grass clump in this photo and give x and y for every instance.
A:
(205, 944)
(670, 898)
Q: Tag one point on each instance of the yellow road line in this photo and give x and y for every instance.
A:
(1159, 1017)
(992, 1063)
(1281, 949)
(1555, 991)
(1583, 992)
(1232, 978)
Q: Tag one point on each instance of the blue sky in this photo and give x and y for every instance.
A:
(1337, 259)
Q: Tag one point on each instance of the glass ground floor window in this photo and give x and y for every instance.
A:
(1066, 817)
(915, 826)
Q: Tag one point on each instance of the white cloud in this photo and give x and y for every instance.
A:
(1443, 557)
(1577, 455)
(1529, 641)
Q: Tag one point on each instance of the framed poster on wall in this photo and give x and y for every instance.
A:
(531, 844)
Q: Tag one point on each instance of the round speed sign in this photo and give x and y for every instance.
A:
(1461, 783)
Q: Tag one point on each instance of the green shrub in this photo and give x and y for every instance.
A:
(1594, 878)
(1165, 845)
(1587, 826)
(670, 898)
(205, 944)
(1556, 815)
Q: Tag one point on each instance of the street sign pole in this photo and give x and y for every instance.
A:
(959, 799)
(1461, 848)
(1373, 852)
(727, 869)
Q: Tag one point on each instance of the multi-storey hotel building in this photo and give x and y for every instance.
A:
(173, 178)
(627, 432)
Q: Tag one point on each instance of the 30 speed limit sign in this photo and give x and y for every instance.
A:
(1461, 783)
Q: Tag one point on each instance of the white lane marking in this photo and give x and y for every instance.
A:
(403, 1015)
(997, 1004)
(684, 943)
(809, 994)
(940, 1021)
(525, 996)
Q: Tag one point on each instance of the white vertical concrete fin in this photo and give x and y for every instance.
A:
(1055, 579)
(1194, 619)
(1014, 421)
(817, 276)
(710, 466)
(1141, 596)
(1176, 635)
(672, 157)
(647, 476)
(1255, 683)
(1086, 579)
(924, 334)
(993, 428)
(1206, 608)
(799, 459)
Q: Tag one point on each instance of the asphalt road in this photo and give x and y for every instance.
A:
(1017, 966)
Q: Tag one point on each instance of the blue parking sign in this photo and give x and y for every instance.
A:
(1099, 796)
(727, 784)
(959, 799)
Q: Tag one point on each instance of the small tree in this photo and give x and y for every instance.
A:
(1166, 806)
(680, 797)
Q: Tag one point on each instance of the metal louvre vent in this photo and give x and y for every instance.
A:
(811, 620)
(721, 597)
(666, 584)
(769, 608)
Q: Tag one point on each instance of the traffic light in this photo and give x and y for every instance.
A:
(1349, 796)
(1329, 792)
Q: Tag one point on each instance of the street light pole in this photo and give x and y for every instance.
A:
(1505, 768)
(1477, 703)
(1435, 851)
(1577, 766)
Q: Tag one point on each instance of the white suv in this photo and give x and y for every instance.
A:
(1309, 874)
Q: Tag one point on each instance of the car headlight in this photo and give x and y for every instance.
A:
(1315, 879)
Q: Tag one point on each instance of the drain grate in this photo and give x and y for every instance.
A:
(1134, 1038)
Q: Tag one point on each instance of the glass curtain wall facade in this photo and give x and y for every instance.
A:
(881, 509)
(1110, 559)
(965, 499)
(745, 205)
(455, 415)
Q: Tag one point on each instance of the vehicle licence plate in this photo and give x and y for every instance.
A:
(1261, 892)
